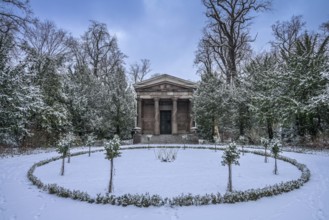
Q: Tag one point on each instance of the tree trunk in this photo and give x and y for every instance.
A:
(275, 166)
(69, 156)
(118, 130)
(229, 185)
(242, 119)
(63, 164)
(241, 125)
(231, 62)
(89, 151)
(111, 177)
(213, 126)
(300, 125)
(269, 128)
(216, 129)
(266, 159)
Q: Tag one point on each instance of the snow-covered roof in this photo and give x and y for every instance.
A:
(165, 78)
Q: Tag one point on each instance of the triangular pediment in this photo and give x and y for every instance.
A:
(165, 82)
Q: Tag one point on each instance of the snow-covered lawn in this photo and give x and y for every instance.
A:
(195, 171)
(138, 171)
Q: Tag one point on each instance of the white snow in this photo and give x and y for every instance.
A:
(138, 171)
(195, 171)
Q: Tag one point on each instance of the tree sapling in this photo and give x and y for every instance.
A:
(111, 151)
(265, 142)
(62, 148)
(275, 151)
(90, 141)
(230, 156)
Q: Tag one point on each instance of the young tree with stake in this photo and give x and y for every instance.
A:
(231, 156)
(62, 148)
(112, 150)
(275, 151)
(90, 141)
(265, 142)
(69, 139)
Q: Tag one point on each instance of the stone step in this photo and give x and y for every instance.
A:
(169, 139)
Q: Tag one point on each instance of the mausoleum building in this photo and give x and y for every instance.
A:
(164, 105)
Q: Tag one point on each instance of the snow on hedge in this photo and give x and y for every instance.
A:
(185, 199)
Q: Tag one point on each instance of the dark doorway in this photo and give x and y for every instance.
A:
(165, 122)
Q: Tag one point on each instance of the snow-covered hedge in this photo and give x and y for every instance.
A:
(139, 200)
(146, 200)
(54, 188)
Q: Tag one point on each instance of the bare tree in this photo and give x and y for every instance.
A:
(286, 34)
(99, 74)
(102, 49)
(325, 27)
(134, 72)
(46, 55)
(139, 71)
(46, 49)
(46, 40)
(14, 15)
(204, 56)
(79, 57)
(227, 33)
(145, 68)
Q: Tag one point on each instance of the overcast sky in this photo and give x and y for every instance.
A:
(167, 32)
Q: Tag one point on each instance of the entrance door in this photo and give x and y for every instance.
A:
(165, 122)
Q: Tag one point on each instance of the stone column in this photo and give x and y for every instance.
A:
(190, 113)
(139, 113)
(174, 116)
(156, 116)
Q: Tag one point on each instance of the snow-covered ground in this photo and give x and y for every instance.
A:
(138, 171)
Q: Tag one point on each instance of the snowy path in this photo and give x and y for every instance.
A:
(21, 200)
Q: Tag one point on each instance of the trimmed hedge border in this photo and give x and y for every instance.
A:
(146, 200)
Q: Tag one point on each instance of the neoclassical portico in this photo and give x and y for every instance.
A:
(165, 105)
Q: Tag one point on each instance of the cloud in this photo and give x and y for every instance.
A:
(120, 34)
(164, 14)
(165, 34)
